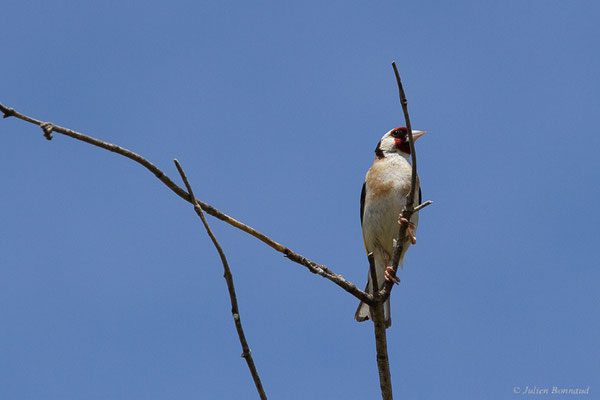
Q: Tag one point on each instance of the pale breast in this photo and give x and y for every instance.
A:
(388, 183)
(389, 175)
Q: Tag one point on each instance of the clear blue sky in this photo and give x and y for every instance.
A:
(110, 289)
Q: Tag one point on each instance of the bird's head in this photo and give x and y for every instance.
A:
(396, 142)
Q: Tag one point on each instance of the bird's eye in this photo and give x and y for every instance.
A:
(396, 133)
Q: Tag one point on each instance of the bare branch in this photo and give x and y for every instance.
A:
(313, 267)
(408, 211)
(383, 294)
(247, 353)
(377, 314)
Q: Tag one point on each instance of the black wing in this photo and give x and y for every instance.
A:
(420, 196)
(363, 193)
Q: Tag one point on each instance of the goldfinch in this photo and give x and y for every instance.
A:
(382, 199)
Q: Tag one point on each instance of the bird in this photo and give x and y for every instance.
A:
(382, 199)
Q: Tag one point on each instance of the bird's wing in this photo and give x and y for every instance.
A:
(363, 194)
(420, 196)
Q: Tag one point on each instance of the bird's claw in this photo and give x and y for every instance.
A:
(390, 275)
(409, 225)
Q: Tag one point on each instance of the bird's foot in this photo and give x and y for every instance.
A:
(390, 275)
(409, 225)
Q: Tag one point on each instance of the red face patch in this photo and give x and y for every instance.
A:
(402, 145)
(400, 136)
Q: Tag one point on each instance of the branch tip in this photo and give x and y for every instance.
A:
(191, 197)
(422, 205)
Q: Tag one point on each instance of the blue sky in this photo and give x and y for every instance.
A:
(110, 289)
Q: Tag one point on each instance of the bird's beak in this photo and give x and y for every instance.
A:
(418, 134)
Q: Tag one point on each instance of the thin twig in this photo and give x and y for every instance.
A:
(422, 205)
(408, 210)
(247, 354)
(313, 267)
(377, 314)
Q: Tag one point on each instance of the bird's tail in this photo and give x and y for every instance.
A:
(363, 312)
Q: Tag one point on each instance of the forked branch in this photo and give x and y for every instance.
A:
(375, 301)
